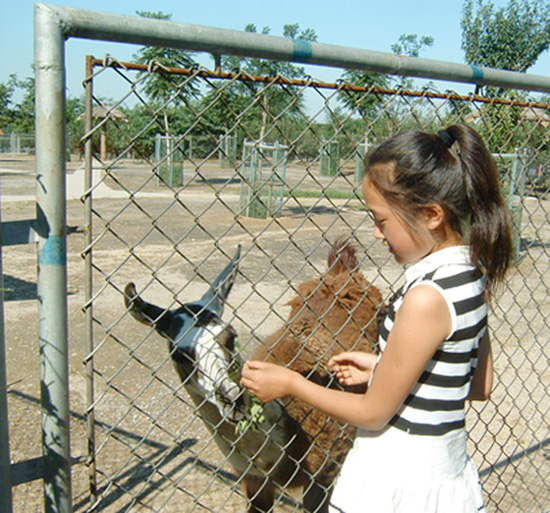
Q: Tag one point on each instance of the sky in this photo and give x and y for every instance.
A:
(366, 24)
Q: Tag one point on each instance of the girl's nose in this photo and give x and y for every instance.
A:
(378, 233)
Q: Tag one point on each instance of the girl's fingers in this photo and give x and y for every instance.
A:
(251, 366)
(336, 361)
(248, 383)
(256, 364)
(247, 373)
(342, 357)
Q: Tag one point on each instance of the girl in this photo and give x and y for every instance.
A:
(436, 202)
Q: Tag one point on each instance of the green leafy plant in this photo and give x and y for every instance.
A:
(254, 416)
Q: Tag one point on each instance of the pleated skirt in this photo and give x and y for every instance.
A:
(392, 471)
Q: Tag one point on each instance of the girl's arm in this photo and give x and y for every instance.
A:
(421, 324)
(482, 381)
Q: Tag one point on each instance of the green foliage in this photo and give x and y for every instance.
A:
(410, 45)
(369, 106)
(75, 124)
(17, 117)
(254, 417)
(275, 101)
(511, 37)
(255, 413)
(7, 112)
(25, 109)
(163, 87)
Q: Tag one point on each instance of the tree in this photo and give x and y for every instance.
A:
(7, 113)
(274, 101)
(75, 124)
(159, 86)
(511, 37)
(17, 117)
(368, 105)
(25, 109)
(410, 45)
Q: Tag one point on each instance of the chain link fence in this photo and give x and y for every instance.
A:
(17, 144)
(273, 165)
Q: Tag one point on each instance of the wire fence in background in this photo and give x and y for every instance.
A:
(17, 144)
(173, 186)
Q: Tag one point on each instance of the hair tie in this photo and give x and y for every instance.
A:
(446, 137)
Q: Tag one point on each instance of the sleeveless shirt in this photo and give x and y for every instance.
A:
(435, 405)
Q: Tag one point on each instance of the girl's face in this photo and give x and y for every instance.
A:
(406, 245)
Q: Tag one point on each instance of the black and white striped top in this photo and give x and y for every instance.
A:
(435, 405)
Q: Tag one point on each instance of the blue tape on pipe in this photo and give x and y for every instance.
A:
(477, 74)
(302, 50)
(53, 251)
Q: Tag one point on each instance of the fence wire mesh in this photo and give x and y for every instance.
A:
(171, 220)
(17, 144)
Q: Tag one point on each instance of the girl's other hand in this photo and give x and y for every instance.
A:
(266, 381)
(353, 368)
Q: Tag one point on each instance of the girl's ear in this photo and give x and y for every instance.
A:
(435, 216)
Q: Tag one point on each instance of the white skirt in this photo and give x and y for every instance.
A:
(393, 472)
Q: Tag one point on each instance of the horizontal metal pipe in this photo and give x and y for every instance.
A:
(83, 23)
(309, 82)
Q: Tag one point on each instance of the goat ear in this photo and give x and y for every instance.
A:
(130, 295)
(143, 312)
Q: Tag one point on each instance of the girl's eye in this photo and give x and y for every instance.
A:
(378, 222)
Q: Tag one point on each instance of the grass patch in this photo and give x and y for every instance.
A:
(329, 193)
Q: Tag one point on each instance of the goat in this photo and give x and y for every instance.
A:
(292, 445)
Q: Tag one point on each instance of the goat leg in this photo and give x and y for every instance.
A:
(260, 493)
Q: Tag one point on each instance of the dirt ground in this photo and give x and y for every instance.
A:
(152, 453)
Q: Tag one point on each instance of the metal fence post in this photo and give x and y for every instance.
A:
(88, 283)
(52, 258)
(5, 471)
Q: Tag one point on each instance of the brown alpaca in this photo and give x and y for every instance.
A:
(329, 315)
(294, 445)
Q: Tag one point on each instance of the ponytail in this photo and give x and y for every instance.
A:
(490, 236)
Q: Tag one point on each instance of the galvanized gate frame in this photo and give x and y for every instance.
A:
(53, 26)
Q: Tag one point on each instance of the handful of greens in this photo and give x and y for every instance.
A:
(255, 414)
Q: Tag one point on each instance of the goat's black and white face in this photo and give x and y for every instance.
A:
(202, 348)
(201, 344)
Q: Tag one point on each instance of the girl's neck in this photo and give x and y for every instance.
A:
(444, 237)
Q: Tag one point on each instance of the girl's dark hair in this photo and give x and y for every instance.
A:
(415, 169)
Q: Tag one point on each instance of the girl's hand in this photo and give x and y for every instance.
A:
(354, 368)
(266, 381)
